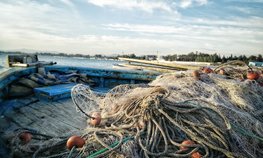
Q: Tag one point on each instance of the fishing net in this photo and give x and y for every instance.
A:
(40, 144)
(236, 69)
(240, 102)
(85, 99)
(222, 117)
(175, 115)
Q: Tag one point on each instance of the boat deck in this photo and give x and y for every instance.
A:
(48, 117)
(56, 118)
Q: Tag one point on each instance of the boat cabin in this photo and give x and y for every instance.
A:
(25, 60)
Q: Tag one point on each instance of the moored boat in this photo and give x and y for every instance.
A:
(184, 114)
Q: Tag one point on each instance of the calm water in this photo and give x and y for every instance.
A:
(68, 61)
(80, 62)
(2, 60)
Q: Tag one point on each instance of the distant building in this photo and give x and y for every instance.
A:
(255, 63)
(150, 57)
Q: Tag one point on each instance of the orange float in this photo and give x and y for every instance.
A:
(75, 141)
(196, 74)
(25, 137)
(222, 72)
(252, 75)
(186, 142)
(190, 142)
(196, 155)
(207, 70)
(96, 119)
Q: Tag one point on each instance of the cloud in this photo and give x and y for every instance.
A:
(92, 44)
(201, 2)
(68, 3)
(148, 6)
(224, 36)
(250, 23)
(189, 3)
(186, 3)
(155, 29)
(31, 16)
(246, 1)
(62, 26)
(241, 9)
(198, 27)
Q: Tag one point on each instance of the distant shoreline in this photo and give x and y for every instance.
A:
(190, 57)
(63, 55)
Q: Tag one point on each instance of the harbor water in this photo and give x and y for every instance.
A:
(68, 61)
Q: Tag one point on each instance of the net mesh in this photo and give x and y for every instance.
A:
(85, 98)
(218, 115)
(222, 116)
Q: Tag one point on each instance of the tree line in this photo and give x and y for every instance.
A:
(197, 56)
(200, 57)
(58, 54)
(204, 57)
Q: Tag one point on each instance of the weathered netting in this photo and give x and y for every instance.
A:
(240, 102)
(41, 144)
(236, 69)
(221, 115)
(85, 99)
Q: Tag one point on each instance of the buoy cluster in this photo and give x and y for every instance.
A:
(251, 74)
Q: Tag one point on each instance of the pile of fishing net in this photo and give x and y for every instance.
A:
(239, 70)
(176, 115)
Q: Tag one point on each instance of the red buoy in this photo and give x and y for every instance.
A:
(25, 137)
(76, 141)
(207, 70)
(222, 72)
(196, 155)
(186, 142)
(95, 121)
(196, 74)
(252, 75)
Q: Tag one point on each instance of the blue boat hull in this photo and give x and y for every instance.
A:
(103, 78)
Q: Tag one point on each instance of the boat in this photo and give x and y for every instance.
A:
(48, 107)
(183, 114)
(26, 60)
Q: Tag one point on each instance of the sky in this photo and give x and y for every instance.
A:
(133, 26)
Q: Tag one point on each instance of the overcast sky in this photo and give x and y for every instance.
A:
(130, 26)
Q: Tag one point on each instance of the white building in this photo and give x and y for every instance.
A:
(255, 63)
